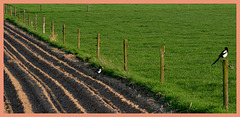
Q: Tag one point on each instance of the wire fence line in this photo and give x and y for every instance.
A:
(142, 60)
(193, 73)
(110, 41)
(87, 41)
(189, 58)
(113, 51)
(143, 49)
(169, 54)
(59, 28)
(167, 67)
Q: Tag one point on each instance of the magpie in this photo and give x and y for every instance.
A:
(99, 70)
(222, 55)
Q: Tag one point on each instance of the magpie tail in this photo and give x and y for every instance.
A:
(216, 61)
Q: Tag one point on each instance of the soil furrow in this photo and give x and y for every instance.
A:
(116, 98)
(63, 96)
(27, 107)
(77, 87)
(7, 105)
(11, 94)
(34, 81)
(37, 94)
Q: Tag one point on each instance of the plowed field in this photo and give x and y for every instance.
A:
(39, 78)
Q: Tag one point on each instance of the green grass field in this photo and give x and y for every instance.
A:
(193, 38)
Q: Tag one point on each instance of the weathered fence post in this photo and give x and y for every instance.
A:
(52, 27)
(225, 84)
(98, 45)
(44, 25)
(8, 8)
(162, 51)
(78, 38)
(88, 8)
(125, 53)
(63, 33)
(19, 14)
(15, 14)
(5, 11)
(36, 22)
(24, 17)
(11, 10)
(29, 19)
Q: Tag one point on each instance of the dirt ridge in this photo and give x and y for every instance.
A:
(23, 77)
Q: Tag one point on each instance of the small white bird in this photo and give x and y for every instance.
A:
(99, 70)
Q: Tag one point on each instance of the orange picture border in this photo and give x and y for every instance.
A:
(237, 2)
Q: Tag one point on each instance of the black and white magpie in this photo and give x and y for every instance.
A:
(222, 55)
(99, 70)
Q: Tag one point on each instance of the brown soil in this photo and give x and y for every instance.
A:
(39, 78)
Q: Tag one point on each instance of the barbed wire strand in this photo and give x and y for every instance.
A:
(144, 49)
(143, 60)
(109, 49)
(110, 41)
(197, 74)
(190, 58)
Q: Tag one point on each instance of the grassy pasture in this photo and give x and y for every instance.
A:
(193, 38)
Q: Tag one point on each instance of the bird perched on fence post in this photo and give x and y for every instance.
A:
(222, 55)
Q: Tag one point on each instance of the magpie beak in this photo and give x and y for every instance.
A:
(99, 70)
(222, 55)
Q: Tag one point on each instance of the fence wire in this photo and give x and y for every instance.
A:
(193, 73)
(142, 60)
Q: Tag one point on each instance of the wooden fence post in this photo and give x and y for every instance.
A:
(40, 7)
(225, 84)
(36, 22)
(98, 45)
(78, 38)
(29, 19)
(8, 9)
(162, 51)
(24, 17)
(4, 9)
(88, 8)
(44, 25)
(52, 28)
(19, 14)
(15, 14)
(125, 53)
(63, 33)
(11, 10)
